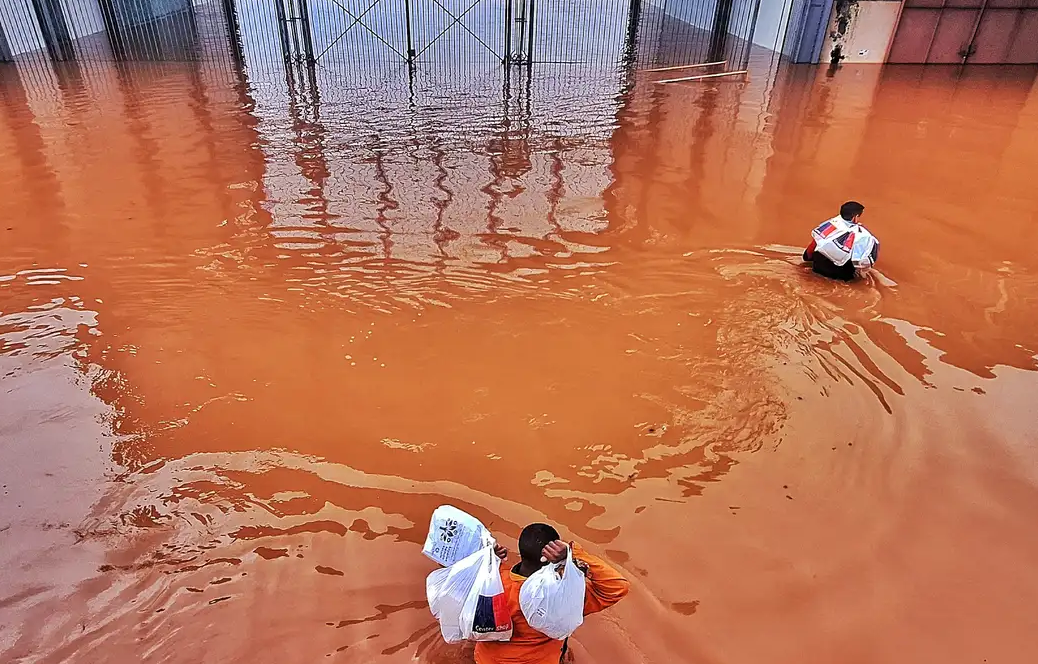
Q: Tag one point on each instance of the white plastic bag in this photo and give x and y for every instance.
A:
(454, 535)
(840, 241)
(866, 250)
(468, 599)
(554, 604)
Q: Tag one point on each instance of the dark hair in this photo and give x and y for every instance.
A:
(533, 539)
(851, 209)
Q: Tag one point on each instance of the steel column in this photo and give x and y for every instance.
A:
(115, 35)
(233, 32)
(5, 48)
(56, 35)
(410, 40)
(282, 20)
(506, 58)
(304, 27)
(529, 45)
(634, 14)
(719, 34)
(522, 30)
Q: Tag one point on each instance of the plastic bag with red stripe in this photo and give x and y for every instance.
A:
(468, 599)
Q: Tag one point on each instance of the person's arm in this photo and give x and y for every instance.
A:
(605, 585)
(809, 253)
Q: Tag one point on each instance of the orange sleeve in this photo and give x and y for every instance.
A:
(605, 586)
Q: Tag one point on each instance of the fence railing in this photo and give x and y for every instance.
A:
(375, 33)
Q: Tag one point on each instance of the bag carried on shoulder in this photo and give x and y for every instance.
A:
(553, 602)
(453, 535)
(841, 241)
(468, 599)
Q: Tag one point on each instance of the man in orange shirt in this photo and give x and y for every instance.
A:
(539, 545)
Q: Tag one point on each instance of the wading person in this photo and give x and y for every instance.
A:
(540, 542)
(841, 247)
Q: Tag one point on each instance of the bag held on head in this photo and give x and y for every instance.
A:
(454, 535)
(468, 599)
(553, 603)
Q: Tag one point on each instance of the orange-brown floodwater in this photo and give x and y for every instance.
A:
(250, 338)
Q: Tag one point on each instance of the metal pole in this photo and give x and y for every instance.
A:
(507, 58)
(54, 29)
(115, 37)
(233, 33)
(410, 42)
(304, 20)
(719, 35)
(192, 28)
(5, 48)
(753, 29)
(295, 45)
(282, 20)
(529, 45)
(630, 55)
(522, 29)
(129, 33)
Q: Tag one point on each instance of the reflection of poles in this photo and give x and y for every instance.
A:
(256, 212)
(199, 103)
(624, 182)
(386, 202)
(636, 146)
(310, 135)
(442, 234)
(702, 133)
(154, 178)
(54, 29)
(496, 154)
(39, 182)
(557, 189)
(70, 82)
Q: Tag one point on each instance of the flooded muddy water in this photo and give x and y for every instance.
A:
(251, 336)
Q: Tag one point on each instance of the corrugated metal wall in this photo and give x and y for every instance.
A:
(967, 31)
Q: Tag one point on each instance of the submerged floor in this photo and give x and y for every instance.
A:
(251, 335)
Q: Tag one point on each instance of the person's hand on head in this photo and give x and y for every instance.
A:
(500, 551)
(554, 552)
